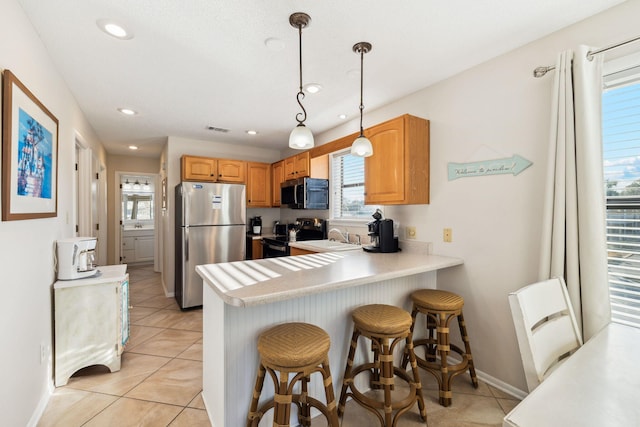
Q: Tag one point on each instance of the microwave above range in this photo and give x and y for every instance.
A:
(305, 193)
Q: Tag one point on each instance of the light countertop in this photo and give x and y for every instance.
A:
(105, 274)
(254, 282)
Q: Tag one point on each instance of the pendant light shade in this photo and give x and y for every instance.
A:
(361, 147)
(301, 137)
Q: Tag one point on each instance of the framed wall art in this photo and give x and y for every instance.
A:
(29, 154)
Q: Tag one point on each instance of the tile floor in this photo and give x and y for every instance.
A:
(160, 380)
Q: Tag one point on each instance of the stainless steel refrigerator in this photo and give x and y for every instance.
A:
(210, 228)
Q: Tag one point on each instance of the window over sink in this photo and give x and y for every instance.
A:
(347, 186)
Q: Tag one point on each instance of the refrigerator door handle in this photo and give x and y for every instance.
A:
(186, 243)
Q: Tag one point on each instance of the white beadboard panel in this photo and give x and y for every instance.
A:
(231, 334)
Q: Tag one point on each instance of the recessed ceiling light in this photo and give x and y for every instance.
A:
(127, 111)
(312, 87)
(133, 147)
(114, 29)
(342, 116)
(274, 44)
(252, 132)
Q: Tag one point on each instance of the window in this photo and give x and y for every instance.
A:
(347, 182)
(621, 153)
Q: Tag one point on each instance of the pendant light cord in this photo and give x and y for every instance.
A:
(361, 88)
(300, 95)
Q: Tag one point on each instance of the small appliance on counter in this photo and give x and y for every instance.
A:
(382, 236)
(303, 229)
(256, 225)
(75, 257)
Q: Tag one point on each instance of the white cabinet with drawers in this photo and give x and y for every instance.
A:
(137, 246)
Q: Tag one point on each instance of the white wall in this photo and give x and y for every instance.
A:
(175, 148)
(27, 247)
(494, 110)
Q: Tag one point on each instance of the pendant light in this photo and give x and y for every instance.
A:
(301, 137)
(361, 147)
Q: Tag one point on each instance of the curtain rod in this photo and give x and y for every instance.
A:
(541, 71)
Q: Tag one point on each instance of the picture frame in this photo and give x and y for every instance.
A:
(29, 154)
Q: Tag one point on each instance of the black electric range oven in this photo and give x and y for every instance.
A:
(307, 229)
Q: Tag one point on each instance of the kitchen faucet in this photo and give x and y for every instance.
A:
(345, 236)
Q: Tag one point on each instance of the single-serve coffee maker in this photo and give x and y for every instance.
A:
(75, 258)
(256, 225)
(381, 234)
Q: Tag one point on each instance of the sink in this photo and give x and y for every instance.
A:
(327, 245)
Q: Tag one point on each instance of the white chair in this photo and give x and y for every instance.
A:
(546, 328)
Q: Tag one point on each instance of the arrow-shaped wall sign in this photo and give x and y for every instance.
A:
(509, 165)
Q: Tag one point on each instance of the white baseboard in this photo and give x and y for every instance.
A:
(42, 405)
(501, 385)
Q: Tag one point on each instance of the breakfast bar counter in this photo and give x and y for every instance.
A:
(242, 299)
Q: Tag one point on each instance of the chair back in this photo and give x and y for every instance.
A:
(546, 327)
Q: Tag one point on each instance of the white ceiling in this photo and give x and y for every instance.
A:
(199, 63)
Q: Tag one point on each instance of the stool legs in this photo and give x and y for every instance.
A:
(438, 343)
(284, 397)
(382, 372)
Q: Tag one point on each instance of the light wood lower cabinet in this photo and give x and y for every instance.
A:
(256, 249)
(298, 251)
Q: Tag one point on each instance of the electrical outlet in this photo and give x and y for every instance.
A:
(411, 232)
(447, 235)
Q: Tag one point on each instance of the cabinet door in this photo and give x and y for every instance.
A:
(144, 248)
(277, 175)
(290, 168)
(258, 185)
(384, 170)
(231, 170)
(199, 169)
(302, 168)
(256, 249)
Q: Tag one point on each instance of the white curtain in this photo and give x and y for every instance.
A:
(573, 239)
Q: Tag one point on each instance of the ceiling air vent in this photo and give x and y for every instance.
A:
(217, 129)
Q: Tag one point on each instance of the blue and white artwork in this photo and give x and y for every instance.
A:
(35, 157)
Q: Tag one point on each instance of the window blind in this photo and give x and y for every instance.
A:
(621, 153)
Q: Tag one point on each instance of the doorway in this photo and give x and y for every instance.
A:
(136, 244)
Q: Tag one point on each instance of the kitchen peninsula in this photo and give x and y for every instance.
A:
(241, 299)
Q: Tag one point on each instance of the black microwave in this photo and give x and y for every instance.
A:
(305, 193)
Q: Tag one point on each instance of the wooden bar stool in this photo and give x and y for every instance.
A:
(440, 307)
(301, 349)
(385, 326)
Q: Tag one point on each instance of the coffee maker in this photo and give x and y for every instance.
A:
(256, 225)
(75, 257)
(381, 234)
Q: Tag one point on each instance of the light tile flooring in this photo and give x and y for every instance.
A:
(160, 380)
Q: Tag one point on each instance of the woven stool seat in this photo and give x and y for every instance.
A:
(298, 348)
(440, 308)
(433, 299)
(386, 326)
(294, 345)
(383, 319)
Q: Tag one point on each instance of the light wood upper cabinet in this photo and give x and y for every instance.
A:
(258, 185)
(297, 166)
(198, 169)
(194, 168)
(277, 176)
(231, 170)
(398, 171)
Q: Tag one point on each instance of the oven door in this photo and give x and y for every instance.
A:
(273, 250)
